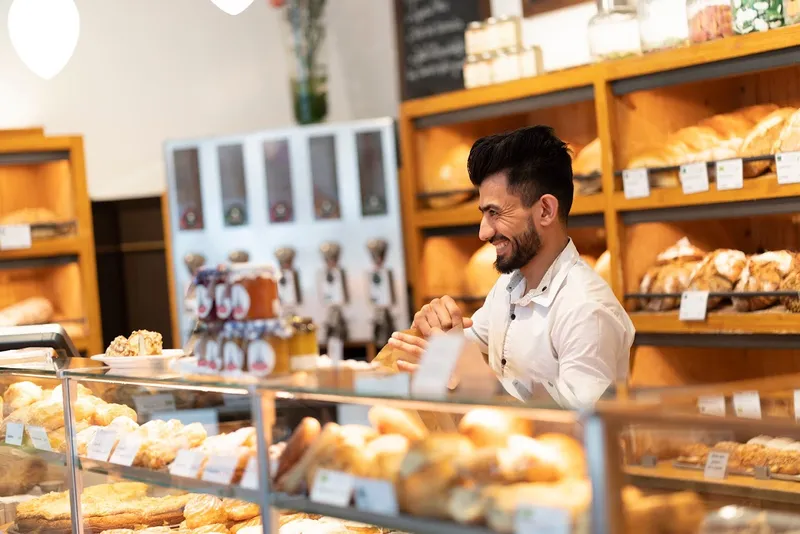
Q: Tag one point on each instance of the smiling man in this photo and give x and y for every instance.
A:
(550, 321)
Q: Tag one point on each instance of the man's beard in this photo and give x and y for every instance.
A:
(524, 248)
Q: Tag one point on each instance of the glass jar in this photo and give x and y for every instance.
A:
(260, 353)
(303, 346)
(233, 347)
(756, 15)
(709, 19)
(614, 31)
(475, 39)
(508, 31)
(491, 35)
(253, 292)
(791, 12)
(472, 72)
(278, 339)
(530, 62)
(505, 65)
(662, 24)
(204, 289)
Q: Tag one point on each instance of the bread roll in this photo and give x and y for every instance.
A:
(203, 510)
(761, 141)
(34, 310)
(240, 510)
(385, 454)
(570, 457)
(603, 266)
(763, 272)
(20, 395)
(481, 274)
(718, 272)
(106, 413)
(301, 439)
(292, 481)
(451, 176)
(388, 420)
(487, 427)
(587, 160)
(573, 496)
(791, 283)
(449, 251)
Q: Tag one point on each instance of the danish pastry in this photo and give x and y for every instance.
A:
(203, 510)
(240, 510)
(20, 395)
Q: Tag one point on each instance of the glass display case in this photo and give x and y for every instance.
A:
(352, 451)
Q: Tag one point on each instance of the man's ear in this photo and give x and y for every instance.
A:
(548, 206)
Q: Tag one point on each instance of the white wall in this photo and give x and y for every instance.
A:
(149, 70)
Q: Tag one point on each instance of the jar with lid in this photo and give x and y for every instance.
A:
(614, 31)
(508, 32)
(475, 39)
(204, 289)
(530, 62)
(233, 347)
(277, 335)
(751, 16)
(260, 354)
(491, 35)
(472, 72)
(709, 19)
(253, 292)
(303, 346)
(505, 65)
(662, 24)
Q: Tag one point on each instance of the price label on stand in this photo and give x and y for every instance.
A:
(437, 365)
(694, 305)
(398, 384)
(14, 433)
(635, 183)
(542, 519)
(376, 496)
(711, 405)
(15, 237)
(716, 465)
(149, 404)
(220, 469)
(747, 404)
(101, 445)
(39, 438)
(730, 174)
(788, 166)
(250, 476)
(335, 349)
(694, 178)
(187, 463)
(333, 488)
(126, 450)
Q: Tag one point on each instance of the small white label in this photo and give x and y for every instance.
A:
(542, 519)
(335, 349)
(187, 463)
(796, 407)
(747, 404)
(333, 488)
(730, 174)
(376, 496)
(711, 405)
(716, 465)
(148, 404)
(694, 178)
(287, 288)
(437, 365)
(788, 167)
(15, 237)
(250, 476)
(398, 384)
(333, 287)
(14, 433)
(635, 183)
(220, 469)
(100, 447)
(39, 438)
(380, 288)
(127, 449)
(694, 305)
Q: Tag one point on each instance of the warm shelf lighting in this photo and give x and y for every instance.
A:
(44, 33)
(232, 7)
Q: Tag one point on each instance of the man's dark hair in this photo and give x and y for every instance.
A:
(535, 161)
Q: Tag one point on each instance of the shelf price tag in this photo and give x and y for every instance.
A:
(716, 465)
(39, 438)
(398, 384)
(333, 488)
(730, 174)
(542, 519)
(694, 305)
(747, 404)
(187, 463)
(437, 365)
(15, 237)
(711, 405)
(250, 476)
(376, 496)
(101, 445)
(220, 469)
(796, 407)
(14, 433)
(788, 167)
(127, 449)
(635, 183)
(149, 404)
(694, 178)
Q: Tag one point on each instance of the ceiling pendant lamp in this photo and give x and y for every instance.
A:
(44, 33)
(232, 7)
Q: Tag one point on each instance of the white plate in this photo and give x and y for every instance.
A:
(128, 362)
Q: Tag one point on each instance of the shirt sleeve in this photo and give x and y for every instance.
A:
(589, 341)
(479, 331)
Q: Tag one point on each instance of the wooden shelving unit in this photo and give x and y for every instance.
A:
(634, 100)
(48, 173)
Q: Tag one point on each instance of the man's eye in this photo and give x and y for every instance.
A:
(493, 213)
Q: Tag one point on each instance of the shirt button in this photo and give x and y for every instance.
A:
(503, 361)
(544, 288)
(513, 316)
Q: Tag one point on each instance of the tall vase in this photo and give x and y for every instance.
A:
(305, 24)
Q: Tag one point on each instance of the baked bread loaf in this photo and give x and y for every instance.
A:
(603, 266)
(791, 283)
(789, 138)
(34, 310)
(385, 454)
(487, 427)
(29, 216)
(761, 141)
(481, 274)
(718, 272)
(451, 176)
(763, 272)
(670, 274)
(387, 420)
(294, 479)
(19, 395)
(438, 251)
(301, 439)
(203, 510)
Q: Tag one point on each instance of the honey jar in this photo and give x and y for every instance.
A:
(278, 338)
(260, 354)
(253, 292)
(303, 346)
(204, 288)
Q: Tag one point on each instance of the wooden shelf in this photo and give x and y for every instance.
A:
(42, 248)
(771, 321)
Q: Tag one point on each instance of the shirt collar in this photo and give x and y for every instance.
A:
(551, 281)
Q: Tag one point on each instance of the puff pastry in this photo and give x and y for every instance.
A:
(203, 510)
(240, 510)
(19, 395)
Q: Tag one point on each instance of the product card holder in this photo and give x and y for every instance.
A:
(796, 405)
(333, 488)
(187, 464)
(452, 359)
(694, 178)
(250, 476)
(747, 404)
(788, 167)
(220, 469)
(376, 496)
(15, 237)
(101, 445)
(149, 404)
(694, 306)
(542, 520)
(14, 433)
(730, 174)
(39, 438)
(716, 467)
(636, 183)
(711, 405)
(126, 450)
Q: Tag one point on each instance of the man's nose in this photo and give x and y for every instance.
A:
(486, 232)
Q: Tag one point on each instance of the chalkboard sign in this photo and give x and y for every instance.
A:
(430, 35)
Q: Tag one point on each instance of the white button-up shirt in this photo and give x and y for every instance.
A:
(569, 335)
